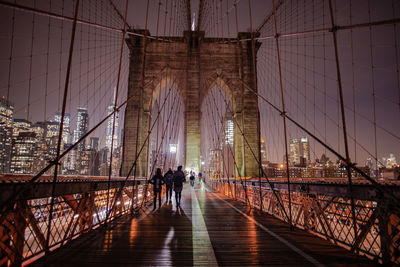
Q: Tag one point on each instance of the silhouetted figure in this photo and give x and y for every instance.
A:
(192, 178)
(157, 181)
(179, 178)
(169, 182)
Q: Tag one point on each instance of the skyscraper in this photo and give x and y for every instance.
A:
(228, 125)
(299, 152)
(21, 125)
(23, 152)
(6, 113)
(391, 161)
(66, 126)
(82, 124)
(94, 143)
(227, 146)
(6, 121)
(109, 130)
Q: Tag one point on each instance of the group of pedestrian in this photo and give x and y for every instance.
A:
(172, 180)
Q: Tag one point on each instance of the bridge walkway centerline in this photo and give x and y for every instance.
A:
(208, 230)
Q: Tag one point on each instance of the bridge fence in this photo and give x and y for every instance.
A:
(325, 210)
(79, 207)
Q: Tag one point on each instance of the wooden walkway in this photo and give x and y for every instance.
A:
(209, 230)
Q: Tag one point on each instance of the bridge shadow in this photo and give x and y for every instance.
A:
(162, 238)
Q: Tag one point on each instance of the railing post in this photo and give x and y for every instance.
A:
(383, 219)
(18, 235)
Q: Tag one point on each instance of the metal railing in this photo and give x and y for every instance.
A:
(324, 209)
(80, 205)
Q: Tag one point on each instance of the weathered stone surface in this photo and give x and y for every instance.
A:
(192, 64)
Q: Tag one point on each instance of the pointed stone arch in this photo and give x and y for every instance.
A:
(196, 64)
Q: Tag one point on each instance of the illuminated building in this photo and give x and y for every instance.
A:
(84, 162)
(40, 162)
(23, 152)
(66, 126)
(81, 129)
(5, 148)
(299, 152)
(228, 127)
(109, 130)
(51, 139)
(391, 162)
(82, 124)
(227, 163)
(21, 125)
(94, 143)
(6, 119)
(6, 113)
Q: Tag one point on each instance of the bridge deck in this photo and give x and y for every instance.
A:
(208, 230)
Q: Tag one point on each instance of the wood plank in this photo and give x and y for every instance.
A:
(165, 237)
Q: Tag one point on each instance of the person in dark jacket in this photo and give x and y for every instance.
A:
(157, 181)
(192, 178)
(169, 182)
(179, 178)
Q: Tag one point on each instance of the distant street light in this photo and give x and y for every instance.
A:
(172, 148)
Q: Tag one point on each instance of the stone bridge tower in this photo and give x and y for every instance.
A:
(192, 64)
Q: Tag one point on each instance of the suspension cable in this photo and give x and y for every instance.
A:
(115, 106)
(283, 111)
(71, 49)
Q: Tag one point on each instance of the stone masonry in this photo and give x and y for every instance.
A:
(192, 64)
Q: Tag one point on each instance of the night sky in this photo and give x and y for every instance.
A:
(369, 60)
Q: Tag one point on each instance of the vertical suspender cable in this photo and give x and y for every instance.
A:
(353, 83)
(47, 67)
(11, 56)
(254, 67)
(240, 60)
(30, 65)
(140, 97)
(151, 98)
(71, 49)
(61, 50)
(340, 89)
(116, 109)
(283, 112)
(396, 51)
(242, 111)
(373, 91)
(255, 158)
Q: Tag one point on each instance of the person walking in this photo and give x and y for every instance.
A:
(157, 181)
(192, 178)
(179, 178)
(169, 181)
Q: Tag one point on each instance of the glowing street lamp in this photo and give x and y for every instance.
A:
(172, 148)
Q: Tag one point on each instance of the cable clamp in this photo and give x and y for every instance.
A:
(334, 29)
(277, 35)
(283, 114)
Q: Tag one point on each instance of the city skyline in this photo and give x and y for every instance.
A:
(27, 147)
(93, 85)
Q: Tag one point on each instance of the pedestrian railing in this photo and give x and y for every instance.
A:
(324, 209)
(80, 205)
